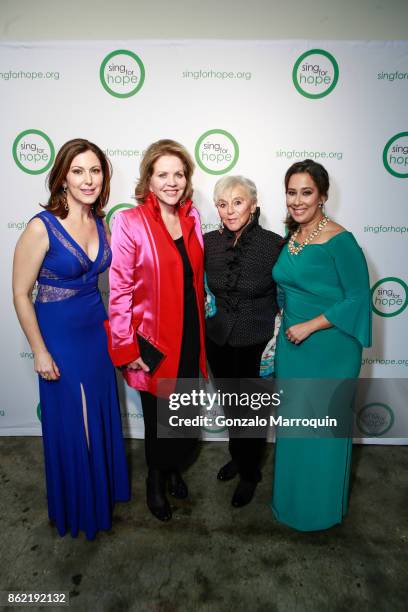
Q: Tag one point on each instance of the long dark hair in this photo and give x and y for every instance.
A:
(320, 177)
(60, 169)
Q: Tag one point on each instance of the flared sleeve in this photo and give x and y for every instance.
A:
(123, 346)
(352, 314)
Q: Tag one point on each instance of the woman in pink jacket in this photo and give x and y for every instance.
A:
(157, 293)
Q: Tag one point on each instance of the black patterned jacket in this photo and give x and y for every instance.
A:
(240, 277)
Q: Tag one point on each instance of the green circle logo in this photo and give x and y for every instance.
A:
(389, 296)
(133, 405)
(33, 151)
(216, 151)
(122, 73)
(39, 412)
(315, 73)
(111, 214)
(395, 155)
(375, 419)
(215, 411)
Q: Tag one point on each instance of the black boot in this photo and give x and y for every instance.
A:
(228, 471)
(156, 495)
(243, 493)
(176, 484)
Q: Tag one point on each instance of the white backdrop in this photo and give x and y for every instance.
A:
(242, 107)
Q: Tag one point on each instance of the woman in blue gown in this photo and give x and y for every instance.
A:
(65, 248)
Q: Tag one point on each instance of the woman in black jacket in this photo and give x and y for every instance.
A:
(238, 261)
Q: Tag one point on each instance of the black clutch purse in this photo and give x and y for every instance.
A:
(151, 355)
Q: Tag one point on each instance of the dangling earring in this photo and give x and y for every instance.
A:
(322, 208)
(221, 227)
(65, 199)
(251, 217)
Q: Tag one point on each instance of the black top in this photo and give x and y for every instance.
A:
(240, 277)
(190, 345)
(189, 293)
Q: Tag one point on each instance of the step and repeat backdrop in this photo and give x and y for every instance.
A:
(240, 107)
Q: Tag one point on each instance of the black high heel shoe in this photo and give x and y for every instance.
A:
(156, 495)
(177, 486)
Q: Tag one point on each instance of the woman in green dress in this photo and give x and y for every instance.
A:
(326, 322)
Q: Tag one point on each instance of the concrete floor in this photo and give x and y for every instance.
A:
(211, 557)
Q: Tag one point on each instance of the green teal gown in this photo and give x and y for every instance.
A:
(311, 475)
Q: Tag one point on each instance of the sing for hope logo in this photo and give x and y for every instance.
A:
(216, 151)
(395, 155)
(389, 296)
(133, 406)
(122, 73)
(215, 411)
(375, 419)
(33, 151)
(315, 73)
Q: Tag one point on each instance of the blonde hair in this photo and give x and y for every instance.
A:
(230, 181)
(152, 154)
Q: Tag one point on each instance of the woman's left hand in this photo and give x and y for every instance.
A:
(299, 332)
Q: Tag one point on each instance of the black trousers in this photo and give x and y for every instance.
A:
(176, 453)
(164, 454)
(239, 362)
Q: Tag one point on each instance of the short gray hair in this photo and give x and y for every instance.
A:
(227, 182)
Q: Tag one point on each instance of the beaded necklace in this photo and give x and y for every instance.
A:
(295, 250)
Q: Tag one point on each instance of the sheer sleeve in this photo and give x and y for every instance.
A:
(352, 314)
(123, 343)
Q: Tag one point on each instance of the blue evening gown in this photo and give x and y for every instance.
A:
(85, 475)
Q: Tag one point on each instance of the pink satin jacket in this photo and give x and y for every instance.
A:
(146, 288)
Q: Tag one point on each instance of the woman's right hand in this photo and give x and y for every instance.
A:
(45, 366)
(138, 364)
